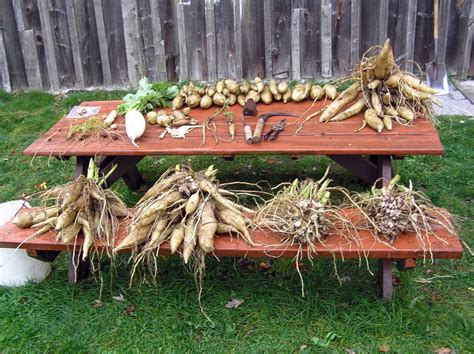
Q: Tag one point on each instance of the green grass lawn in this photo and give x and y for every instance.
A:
(55, 316)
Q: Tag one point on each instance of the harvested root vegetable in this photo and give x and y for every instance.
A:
(339, 103)
(357, 107)
(396, 209)
(330, 91)
(183, 207)
(384, 62)
(302, 213)
(79, 205)
(135, 125)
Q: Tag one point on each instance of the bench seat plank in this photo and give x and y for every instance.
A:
(405, 247)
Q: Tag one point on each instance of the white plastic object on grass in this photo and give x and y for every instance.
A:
(135, 125)
(16, 267)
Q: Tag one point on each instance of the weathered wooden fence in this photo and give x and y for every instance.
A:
(65, 44)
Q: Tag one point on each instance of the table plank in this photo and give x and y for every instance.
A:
(337, 138)
(268, 244)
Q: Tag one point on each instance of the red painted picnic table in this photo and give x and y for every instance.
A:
(365, 153)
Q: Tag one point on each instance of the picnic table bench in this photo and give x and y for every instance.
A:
(366, 154)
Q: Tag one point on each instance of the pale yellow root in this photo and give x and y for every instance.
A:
(207, 228)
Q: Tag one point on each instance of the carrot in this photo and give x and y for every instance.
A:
(189, 241)
(376, 104)
(69, 233)
(192, 203)
(387, 122)
(207, 228)
(357, 107)
(225, 229)
(406, 113)
(373, 120)
(417, 84)
(137, 235)
(338, 104)
(330, 91)
(230, 217)
(384, 62)
(66, 218)
(161, 186)
(177, 237)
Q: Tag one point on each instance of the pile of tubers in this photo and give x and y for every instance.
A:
(384, 91)
(81, 205)
(187, 209)
(231, 92)
(173, 119)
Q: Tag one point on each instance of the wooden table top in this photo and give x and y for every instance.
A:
(335, 138)
(268, 243)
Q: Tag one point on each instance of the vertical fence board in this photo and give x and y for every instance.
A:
(280, 38)
(383, 21)
(28, 48)
(268, 30)
(410, 34)
(295, 44)
(62, 44)
(158, 42)
(326, 38)
(169, 31)
(238, 38)
(75, 47)
(211, 40)
(341, 45)
(145, 38)
(196, 40)
(103, 47)
(423, 35)
(355, 31)
(11, 41)
(133, 47)
(88, 42)
(225, 38)
(369, 30)
(182, 38)
(44, 11)
(445, 8)
(253, 39)
(467, 38)
(310, 38)
(6, 84)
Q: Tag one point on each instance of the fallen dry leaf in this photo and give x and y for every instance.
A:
(130, 310)
(98, 304)
(120, 297)
(349, 351)
(443, 351)
(384, 348)
(234, 303)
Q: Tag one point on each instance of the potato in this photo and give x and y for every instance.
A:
(232, 86)
(178, 102)
(206, 102)
(193, 100)
(219, 99)
(298, 93)
(151, 117)
(266, 96)
(283, 87)
(316, 92)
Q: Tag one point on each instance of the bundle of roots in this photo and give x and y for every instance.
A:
(81, 205)
(395, 209)
(302, 213)
(187, 209)
(384, 92)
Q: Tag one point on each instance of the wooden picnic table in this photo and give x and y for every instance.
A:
(366, 153)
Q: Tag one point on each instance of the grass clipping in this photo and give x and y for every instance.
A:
(303, 214)
(81, 205)
(396, 209)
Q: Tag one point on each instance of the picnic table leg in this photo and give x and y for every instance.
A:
(126, 168)
(78, 269)
(384, 165)
(82, 162)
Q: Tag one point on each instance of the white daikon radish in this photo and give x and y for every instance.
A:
(135, 125)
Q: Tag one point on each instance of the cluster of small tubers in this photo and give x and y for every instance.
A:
(187, 209)
(231, 92)
(173, 119)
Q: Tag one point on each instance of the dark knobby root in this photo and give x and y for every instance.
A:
(302, 213)
(81, 205)
(395, 209)
(91, 128)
